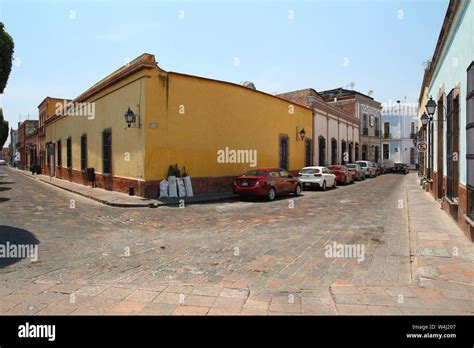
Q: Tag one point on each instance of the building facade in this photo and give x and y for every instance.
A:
(175, 119)
(449, 82)
(368, 112)
(336, 132)
(25, 130)
(399, 132)
(13, 143)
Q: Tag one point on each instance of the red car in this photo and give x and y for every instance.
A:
(267, 182)
(343, 175)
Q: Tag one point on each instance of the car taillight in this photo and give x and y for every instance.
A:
(317, 174)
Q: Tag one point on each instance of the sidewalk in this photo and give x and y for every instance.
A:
(442, 267)
(118, 199)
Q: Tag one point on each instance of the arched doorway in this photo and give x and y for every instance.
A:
(351, 149)
(344, 156)
(364, 152)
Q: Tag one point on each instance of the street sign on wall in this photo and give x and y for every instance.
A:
(422, 146)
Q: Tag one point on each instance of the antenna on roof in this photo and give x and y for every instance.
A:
(370, 92)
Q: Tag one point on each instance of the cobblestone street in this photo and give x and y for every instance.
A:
(244, 257)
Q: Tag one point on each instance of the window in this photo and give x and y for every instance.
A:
(357, 151)
(69, 153)
(284, 174)
(255, 173)
(333, 151)
(386, 130)
(307, 152)
(364, 152)
(386, 151)
(343, 152)
(365, 130)
(84, 152)
(452, 146)
(107, 151)
(470, 140)
(60, 162)
(322, 151)
(351, 148)
(412, 130)
(274, 174)
(284, 151)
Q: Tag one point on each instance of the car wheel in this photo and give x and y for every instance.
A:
(298, 190)
(271, 194)
(324, 186)
(334, 185)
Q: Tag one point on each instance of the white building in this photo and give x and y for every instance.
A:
(399, 128)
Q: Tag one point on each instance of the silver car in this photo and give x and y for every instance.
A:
(368, 167)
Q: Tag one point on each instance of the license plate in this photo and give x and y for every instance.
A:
(245, 183)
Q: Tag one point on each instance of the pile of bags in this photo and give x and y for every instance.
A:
(176, 185)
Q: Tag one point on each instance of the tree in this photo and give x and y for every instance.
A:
(4, 129)
(6, 56)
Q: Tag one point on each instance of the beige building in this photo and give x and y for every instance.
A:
(369, 114)
(336, 132)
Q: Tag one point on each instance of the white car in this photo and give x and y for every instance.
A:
(319, 177)
(3, 163)
(368, 167)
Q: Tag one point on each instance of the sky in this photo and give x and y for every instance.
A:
(64, 47)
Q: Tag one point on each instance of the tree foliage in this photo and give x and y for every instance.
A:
(4, 128)
(6, 56)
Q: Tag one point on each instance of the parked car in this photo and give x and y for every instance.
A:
(3, 163)
(388, 165)
(368, 168)
(380, 168)
(317, 177)
(267, 182)
(357, 171)
(401, 168)
(343, 175)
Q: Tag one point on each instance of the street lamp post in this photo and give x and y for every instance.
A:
(428, 120)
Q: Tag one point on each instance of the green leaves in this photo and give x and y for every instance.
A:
(6, 54)
(4, 128)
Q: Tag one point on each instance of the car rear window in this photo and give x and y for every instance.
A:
(254, 173)
(309, 171)
(351, 166)
(362, 164)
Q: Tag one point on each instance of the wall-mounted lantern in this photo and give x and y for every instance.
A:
(130, 118)
(424, 119)
(301, 133)
(431, 108)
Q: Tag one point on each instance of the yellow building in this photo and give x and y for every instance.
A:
(195, 122)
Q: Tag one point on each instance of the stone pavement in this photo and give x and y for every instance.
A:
(442, 267)
(245, 258)
(118, 199)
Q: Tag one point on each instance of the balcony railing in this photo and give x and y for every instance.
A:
(377, 133)
(387, 135)
(412, 135)
(365, 131)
